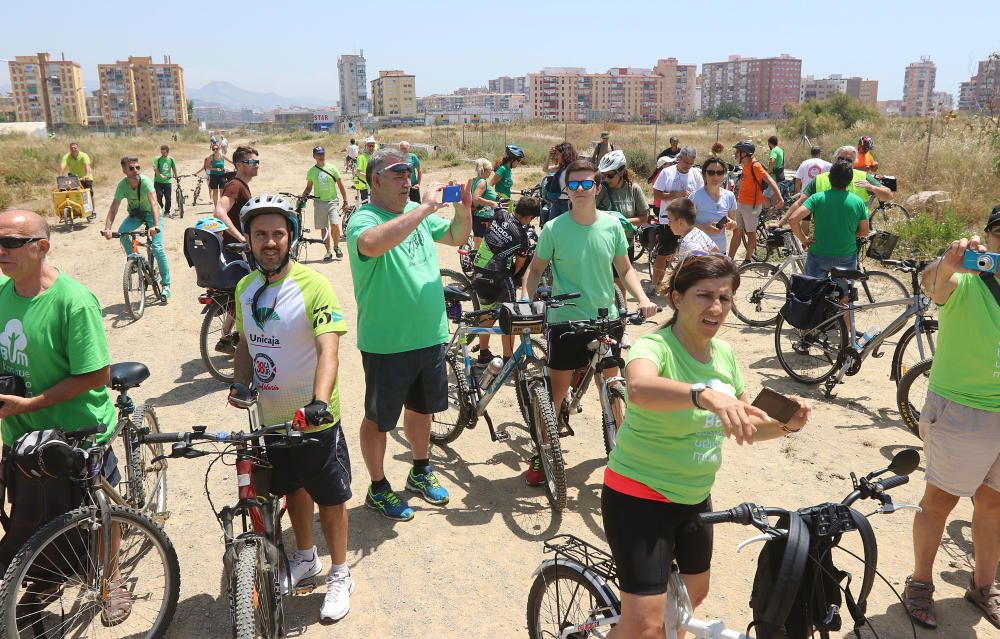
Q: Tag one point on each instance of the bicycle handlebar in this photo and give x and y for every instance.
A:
(117, 235)
(907, 266)
(236, 437)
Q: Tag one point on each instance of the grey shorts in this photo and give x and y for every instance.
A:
(747, 217)
(326, 214)
(962, 446)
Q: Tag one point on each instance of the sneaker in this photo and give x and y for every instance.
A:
(428, 486)
(165, 293)
(338, 252)
(535, 476)
(227, 344)
(302, 566)
(389, 504)
(328, 257)
(337, 602)
(650, 291)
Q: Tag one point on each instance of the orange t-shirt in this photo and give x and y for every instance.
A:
(864, 161)
(750, 193)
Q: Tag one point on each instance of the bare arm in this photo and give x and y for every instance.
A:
(938, 279)
(795, 219)
(151, 197)
(477, 195)
(222, 212)
(243, 366)
(494, 179)
(461, 224)
(535, 270)
(882, 192)
(112, 212)
(306, 191)
(776, 200)
(67, 388)
(327, 365)
(343, 193)
(799, 200)
(863, 228)
(631, 280)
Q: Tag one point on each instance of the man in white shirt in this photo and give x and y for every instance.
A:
(809, 169)
(673, 183)
(352, 155)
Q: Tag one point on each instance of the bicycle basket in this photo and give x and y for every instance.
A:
(805, 301)
(881, 245)
(67, 182)
(516, 318)
(888, 180)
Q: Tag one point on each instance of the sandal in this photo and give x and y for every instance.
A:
(986, 599)
(919, 602)
(118, 606)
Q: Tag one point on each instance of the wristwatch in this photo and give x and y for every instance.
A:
(696, 390)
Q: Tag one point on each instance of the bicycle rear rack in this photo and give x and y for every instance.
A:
(574, 548)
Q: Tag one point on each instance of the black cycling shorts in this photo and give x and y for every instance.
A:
(570, 352)
(646, 536)
(323, 469)
(493, 292)
(216, 180)
(667, 242)
(480, 226)
(417, 380)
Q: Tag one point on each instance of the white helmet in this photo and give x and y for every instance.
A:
(613, 161)
(266, 203)
(370, 139)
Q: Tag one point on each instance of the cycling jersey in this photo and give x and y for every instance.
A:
(505, 240)
(360, 168)
(822, 183)
(505, 181)
(77, 166)
(281, 337)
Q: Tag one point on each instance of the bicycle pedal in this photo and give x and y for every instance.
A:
(503, 436)
(304, 589)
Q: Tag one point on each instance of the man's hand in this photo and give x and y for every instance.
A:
(106, 233)
(430, 197)
(647, 308)
(317, 413)
(151, 231)
(952, 259)
(11, 405)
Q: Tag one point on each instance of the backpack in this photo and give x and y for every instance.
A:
(805, 301)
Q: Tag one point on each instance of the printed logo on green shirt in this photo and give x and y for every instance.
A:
(414, 248)
(323, 316)
(13, 344)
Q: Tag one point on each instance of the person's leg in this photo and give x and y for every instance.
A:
(128, 225)
(697, 587)
(641, 618)
(158, 188)
(334, 522)
(734, 244)
(321, 221)
(300, 514)
(417, 428)
(159, 253)
(214, 194)
(373, 445)
(560, 386)
(659, 267)
(986, 535)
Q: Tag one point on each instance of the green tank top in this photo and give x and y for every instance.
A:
(823, 184)
(218, 166)
(488, 194)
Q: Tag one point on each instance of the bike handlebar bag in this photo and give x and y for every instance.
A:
(518, 317)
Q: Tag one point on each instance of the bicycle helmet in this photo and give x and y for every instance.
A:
(614, 161)
(210, 224)
(746, 146)
(513, 151)
(866, 144)
(370, 139)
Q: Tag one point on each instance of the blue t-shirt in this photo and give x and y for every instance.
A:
(711, 211)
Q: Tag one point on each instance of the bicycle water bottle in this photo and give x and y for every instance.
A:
(864, 339)
(491, 372)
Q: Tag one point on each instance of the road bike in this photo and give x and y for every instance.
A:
(255, 565)
(574, 594)
(301, 248)
(79, 572)
(835, 347)
(911, 393)
(140, 274)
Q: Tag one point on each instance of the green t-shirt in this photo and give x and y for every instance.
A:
(966, 366)
(505, 180)
(488, 194)
(399, 294)
(580, 256)
(414, 161)
(822, 183)
(778, 155)
(291, 314)
(360, 167)
(45, 339)
(136, 197)
(676, 453)
(324, 182)
(162, 166)
(77, 167)
(835, 217)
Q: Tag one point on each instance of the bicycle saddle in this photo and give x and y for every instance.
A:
(126, 375)
(847, 274)
(453, 295)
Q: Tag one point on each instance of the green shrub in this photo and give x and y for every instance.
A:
(638, 162)
(928, 235)
(822, 116)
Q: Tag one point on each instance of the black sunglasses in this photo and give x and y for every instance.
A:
(134, 167)
(17, 242)
(711, 172)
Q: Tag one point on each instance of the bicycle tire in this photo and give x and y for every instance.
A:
(822, 347)
(545, 428)
(751, 309)
(132, 489)
(570, 584)
(903, 358)
(134, 289)
(465, 257)
(152, 279)
(180, 202)
(153, 473)
(256, 598)
(888, 215)
(64, 534)
(521, 387)
(880, 287)
(608, 424)
(911, 394)
(219, 365)
(444, 430)
(638, 248)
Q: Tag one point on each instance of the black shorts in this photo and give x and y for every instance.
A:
(569, 352)
(216, 180)
(645, 536)
(480, 225)
(87, 184)
(492, 292)
(323, 469)
(667, 242)
(417, 380)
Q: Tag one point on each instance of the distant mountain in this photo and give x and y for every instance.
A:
(231, 96)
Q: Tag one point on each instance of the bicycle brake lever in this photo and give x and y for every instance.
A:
(752, 540)
(887, 509)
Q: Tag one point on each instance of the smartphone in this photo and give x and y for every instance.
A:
(721, 224)
(451, 194)
(776, 405)
(986, 262)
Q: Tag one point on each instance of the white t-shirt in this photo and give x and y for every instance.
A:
(670, 179)
(697, 240)
(352, 151)
(809, 169)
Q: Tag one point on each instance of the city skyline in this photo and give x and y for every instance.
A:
(893, 37)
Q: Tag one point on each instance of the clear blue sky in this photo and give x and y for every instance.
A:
(291, 47)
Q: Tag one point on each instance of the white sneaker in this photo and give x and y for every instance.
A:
(337, 601)
(302, 566)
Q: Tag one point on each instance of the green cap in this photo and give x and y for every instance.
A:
(605, 134)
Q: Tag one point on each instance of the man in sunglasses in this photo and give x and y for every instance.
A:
(579, 246)
(140, 200)
(235, 194)
(402, 325)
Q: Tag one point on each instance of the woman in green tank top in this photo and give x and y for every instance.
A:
(484, 200)
(215, 167)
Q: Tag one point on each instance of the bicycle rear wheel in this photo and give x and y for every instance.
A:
(153, 278)
(218, 341)
(764, 296)
(912, 393)
(887, 216)
(256, 600)
(521, 385)
(910, 350)
(545, 432)
(134, 288)
(611, 422)
(561, 597)
(879, 287)
(180, 202)
(446, 426)
(152, 474)
(811, 356)
(51, 589)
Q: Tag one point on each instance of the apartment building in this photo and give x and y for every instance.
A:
(942, 102)
(394, 94)
(353, 77)
(138, 90)
(507, 84)
(813, 88)
(762, 86)
(918, 85)
(46, 90)
(481, 102)
(982, 91)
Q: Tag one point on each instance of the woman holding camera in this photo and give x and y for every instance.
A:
(685, 397)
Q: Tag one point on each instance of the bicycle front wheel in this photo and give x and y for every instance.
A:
(912, 393)
(218, 341)
(561, 597)
(448, 425)
(545, 432)
(611, 422)
(764, 295)
(256, 598)
(134, 288)
(888, 216)
(180, 202)
(879, 287)
(912, 349)
(152, 472)
(810, 356)
(53, 588)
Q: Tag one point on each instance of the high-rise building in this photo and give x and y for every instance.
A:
(982, 91)
(507, 84)
(868, 92)
(679, 87)
(762, 86)
(118, 95)
(138, 90)
(822, 88)
(49, 91)
(918, 85)
(458, 102)
(394, 94)
(353, 79)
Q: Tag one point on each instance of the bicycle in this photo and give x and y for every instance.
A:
(179, 196)
(350, 164)
(255, 565)
(74, 575)
(835, 348)
(573, 594)
(345, 218)
(197, 190)
(140, 273)
(301, 247)
(911, 393)
(886, 215)
(219, 337)
(470, 397)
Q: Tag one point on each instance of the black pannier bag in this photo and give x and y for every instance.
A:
(805, 301)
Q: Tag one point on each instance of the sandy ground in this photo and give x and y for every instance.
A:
(464, 570)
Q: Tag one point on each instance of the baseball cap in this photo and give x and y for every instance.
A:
(994, 218)
(605, 134)
(660, 162)
(318, 150)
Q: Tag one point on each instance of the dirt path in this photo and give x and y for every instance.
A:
(464, 570)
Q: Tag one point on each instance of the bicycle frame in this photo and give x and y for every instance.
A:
(601, 360)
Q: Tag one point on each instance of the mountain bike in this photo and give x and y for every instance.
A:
(911, 393)
(573, 595)
(358, 202)
(179, 195)
(75, 576)
(301, 247)
(140, 274)
(835, 347)
(197, 190)
(254, 563)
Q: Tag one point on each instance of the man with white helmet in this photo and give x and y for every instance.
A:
(360, 169)
(292, 321)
